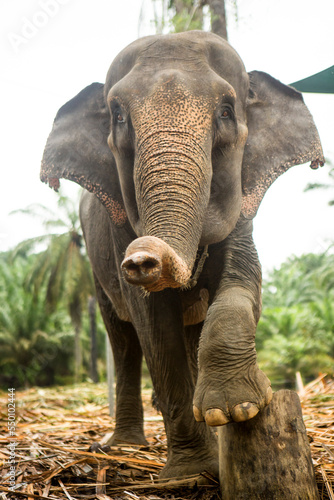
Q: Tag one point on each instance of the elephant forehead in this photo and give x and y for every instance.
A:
(196, 53)
(174, 104)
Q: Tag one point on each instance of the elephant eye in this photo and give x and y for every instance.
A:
(226, 113)
(117, 113)
(119, 117)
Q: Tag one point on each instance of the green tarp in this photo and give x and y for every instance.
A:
(320, 83)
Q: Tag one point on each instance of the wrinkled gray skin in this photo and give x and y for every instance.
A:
(177, 150)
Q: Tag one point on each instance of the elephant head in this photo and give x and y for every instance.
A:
(180, 142)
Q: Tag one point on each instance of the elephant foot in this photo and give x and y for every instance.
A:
(119, 438)
(219, 400)
(128, 438)
(184, 464)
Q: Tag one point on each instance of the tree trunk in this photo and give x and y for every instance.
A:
(75, 313)
(93, 339)
(269, 456)
(110, 377)
(218, 17)
(180, 6)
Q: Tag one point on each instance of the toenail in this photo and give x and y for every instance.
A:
(215, 417)
(198, 414)
(244, 411)
(269, 395)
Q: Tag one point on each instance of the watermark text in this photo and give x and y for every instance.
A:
(11, 405)
(31, 26)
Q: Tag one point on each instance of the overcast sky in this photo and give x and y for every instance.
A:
(51, 49)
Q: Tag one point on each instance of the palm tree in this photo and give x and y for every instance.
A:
(62, 267)
(32, 341)
(183, 15)
(295, 332)
(325, 312)
(299, 280)
(292, 339)
(93, 339)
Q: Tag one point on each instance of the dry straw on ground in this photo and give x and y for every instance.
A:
(55, 427)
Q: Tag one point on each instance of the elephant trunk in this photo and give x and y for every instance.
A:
(172, 178)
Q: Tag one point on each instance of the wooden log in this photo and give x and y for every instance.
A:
(269, 456)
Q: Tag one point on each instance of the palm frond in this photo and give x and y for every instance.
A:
(34, 210)
(316, 185)
(56, 223)
(29, 245)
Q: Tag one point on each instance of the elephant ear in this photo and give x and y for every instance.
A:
(281, 133)
(77, 150)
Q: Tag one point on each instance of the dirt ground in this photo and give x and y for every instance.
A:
(45, 439)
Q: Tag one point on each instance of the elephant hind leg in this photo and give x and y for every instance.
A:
(128, 363)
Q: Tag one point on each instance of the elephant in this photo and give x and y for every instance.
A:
(175, 152)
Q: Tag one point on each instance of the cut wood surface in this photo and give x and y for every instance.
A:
(269, 456)
(55, 427)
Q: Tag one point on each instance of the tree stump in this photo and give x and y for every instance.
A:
(269, 456)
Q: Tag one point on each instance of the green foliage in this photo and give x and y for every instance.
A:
(175, 16)
(35, 345)
(62, 265)
(296, 330)
(188, 15)
(46, 282)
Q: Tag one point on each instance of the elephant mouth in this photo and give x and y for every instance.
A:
(151, 263)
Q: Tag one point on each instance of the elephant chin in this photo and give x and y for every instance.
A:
(151, 263)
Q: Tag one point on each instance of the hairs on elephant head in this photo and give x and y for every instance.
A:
(177, 149)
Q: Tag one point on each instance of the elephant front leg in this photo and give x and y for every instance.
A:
(192, 447)
(230, 385)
